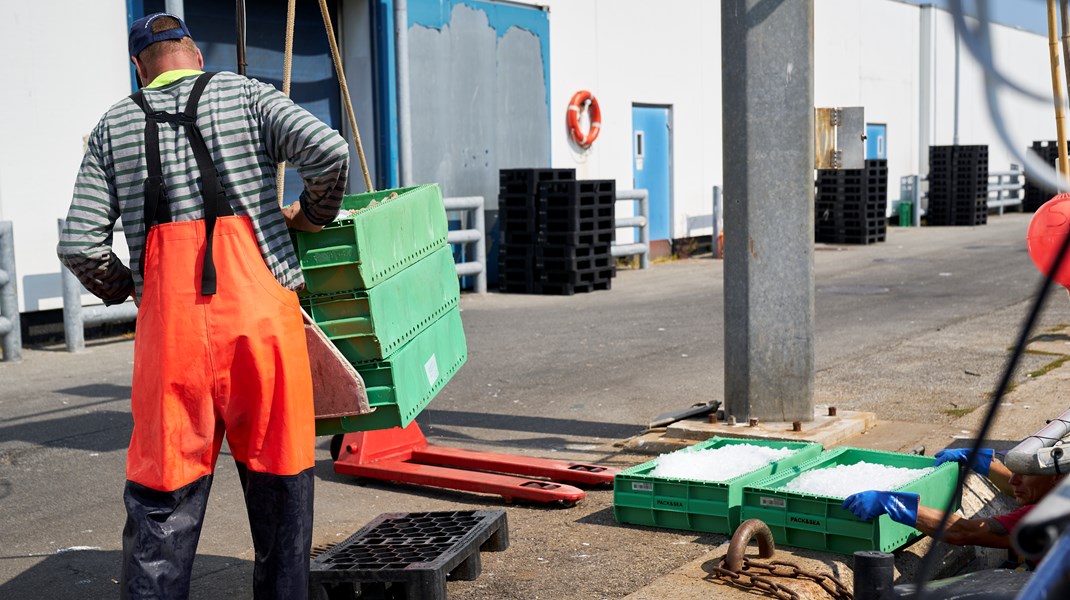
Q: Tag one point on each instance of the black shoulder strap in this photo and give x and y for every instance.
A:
(214, 197)
(154, 193)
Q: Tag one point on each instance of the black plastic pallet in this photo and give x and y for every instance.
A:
(515, 264)
(851, 239)
(519, 287)
(573, 252)
(526, 181)
(409, 555)
(517, 225)
(556, 268)
(550, 226)
(566, 194)
(569, 289)
(592, 274)
(1037, 195)
(578, 238)
(519, 238)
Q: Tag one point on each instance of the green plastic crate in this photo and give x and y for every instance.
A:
(369, 325)
(358, 252)
(817, 522)
(707, 506)
(400, 386)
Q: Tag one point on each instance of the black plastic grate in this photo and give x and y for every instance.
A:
(412, 553)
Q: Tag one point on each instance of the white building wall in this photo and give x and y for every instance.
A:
(635, 51)
(866, 54)
(1023, 56)
(55, 91)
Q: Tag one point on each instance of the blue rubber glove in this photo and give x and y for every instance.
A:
(902, 507)
(981, 464)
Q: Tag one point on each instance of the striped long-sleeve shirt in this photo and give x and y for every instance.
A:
(248, 127)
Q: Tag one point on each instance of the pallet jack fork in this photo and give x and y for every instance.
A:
(405, 456)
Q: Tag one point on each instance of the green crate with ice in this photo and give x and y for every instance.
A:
(700, 488)
(802, 506)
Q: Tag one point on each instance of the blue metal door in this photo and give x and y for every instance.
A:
(876, 140)
(652, 164)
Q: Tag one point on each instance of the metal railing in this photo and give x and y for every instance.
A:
(1008, 189)
(641, 222)
(10, 329)
(474, 233)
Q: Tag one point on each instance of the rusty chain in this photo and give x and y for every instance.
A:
(738, 570)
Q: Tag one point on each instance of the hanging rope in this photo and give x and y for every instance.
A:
(345, 93)
(287, 68)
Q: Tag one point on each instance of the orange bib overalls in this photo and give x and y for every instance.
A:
(220, 351)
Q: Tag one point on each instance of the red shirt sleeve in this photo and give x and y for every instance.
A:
(1010, 520)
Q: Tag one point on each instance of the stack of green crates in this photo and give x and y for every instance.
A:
(712, 507)
(382, 284)
(819, 523)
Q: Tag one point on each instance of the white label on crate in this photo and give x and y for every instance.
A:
(776, 502)
(431, 369)
(642, 486)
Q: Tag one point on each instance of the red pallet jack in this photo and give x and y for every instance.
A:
(403, 455)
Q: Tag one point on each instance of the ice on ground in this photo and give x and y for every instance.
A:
(717, 464)
(843, 480)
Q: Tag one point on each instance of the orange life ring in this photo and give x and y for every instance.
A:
(575, 106)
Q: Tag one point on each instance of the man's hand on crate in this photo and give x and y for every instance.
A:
(296, 219)
(902, 507)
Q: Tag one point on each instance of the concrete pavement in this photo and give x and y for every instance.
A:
(915, 330)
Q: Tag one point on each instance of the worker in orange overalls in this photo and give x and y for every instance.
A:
(189, 163)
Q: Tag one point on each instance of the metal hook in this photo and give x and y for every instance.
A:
(742, 537)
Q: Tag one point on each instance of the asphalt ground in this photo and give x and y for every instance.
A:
(915, 329)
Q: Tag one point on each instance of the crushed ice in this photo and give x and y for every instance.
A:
(843, 480)
(717, 464)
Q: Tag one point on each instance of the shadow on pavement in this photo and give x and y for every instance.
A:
(95, 431)
(98, 390)
(94, 574)
(528, 424)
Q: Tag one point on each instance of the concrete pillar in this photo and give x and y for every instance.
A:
(768, 104)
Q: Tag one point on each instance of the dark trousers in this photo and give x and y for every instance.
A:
(163, 528)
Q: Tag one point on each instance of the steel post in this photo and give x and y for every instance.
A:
(401, 49)
(73, 328)
(874, 575)
(768, 109)
(10, 328)
(640, 221)
(716, 221)
(915, 214)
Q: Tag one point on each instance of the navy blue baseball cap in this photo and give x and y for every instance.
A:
(141, 35)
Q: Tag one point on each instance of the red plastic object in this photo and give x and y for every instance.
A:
(1047, 229)
(403, 455)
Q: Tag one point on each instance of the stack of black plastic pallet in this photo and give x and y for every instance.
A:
(556, 232)
(958, 185)
(1036, 196)
(851, 204)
